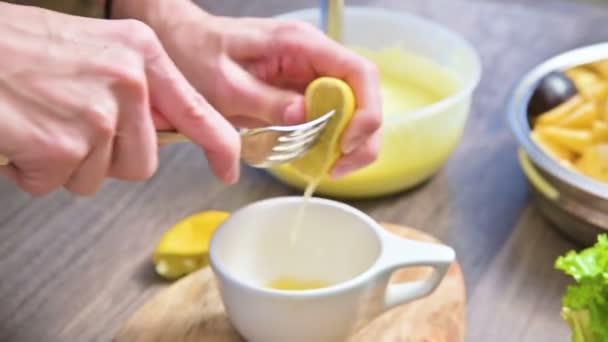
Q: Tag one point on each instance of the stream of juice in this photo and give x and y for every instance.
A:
(299, 218)
(291, 283)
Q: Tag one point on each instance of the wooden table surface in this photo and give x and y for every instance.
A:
(75, 268)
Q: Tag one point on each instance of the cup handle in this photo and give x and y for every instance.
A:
(399, 253)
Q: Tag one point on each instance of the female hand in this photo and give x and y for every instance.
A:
(76, 102)
(254, 70)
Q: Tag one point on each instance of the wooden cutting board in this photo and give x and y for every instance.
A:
(191, 310)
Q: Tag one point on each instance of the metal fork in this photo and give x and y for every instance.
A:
(269, 146)
(263, 147)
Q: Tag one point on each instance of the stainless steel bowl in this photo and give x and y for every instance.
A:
(577, 205)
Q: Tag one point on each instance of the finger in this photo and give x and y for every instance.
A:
(244, 95)
(329, 58)
(134, 151)
(363, 77)
(11, 172)
(192, 115)
(88, 178)
(366, 154)
(43, 176)
(47, 164)
(39, 174)
(305, 53)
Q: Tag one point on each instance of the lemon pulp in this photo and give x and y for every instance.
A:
(323, 95)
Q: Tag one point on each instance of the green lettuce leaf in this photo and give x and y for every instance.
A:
(585, 305)
(579, 322)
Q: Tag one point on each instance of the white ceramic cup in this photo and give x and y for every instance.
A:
(337, 244)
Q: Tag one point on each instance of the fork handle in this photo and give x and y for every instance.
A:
(168, 137)
(163, 138)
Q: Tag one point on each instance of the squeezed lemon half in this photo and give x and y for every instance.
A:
(323, 95)
(184, 247)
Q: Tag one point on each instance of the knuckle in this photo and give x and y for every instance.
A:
(370, 68)
(191, 111)
(365, 69)
(369, 154)
(123, 68)
(288, 28)
(129, 71)
(130, 80)
(59, 148)
(67, 150)
(371, 123)
(137, 33)
(103, 124)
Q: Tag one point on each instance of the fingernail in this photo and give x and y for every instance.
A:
(294, 112)
(352, 145)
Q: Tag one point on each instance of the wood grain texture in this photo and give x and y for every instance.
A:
(74, 269)
(191, 310)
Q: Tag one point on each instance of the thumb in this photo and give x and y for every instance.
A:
(252, 101)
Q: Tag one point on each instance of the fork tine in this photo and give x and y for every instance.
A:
(289, 144)
(303, 134)
(296, 143)
(285, 157)
(292, 151)
(269, 146)
(294, 148)
(293, 145)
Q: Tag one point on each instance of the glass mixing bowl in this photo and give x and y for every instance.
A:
(419, 138)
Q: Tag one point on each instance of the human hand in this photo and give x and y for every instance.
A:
(77, 96)
(254, 71)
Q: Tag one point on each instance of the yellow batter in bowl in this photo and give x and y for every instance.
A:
(428, 75)
(417, 137)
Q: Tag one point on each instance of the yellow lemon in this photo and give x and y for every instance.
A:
(323, 95)
(184, 247)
